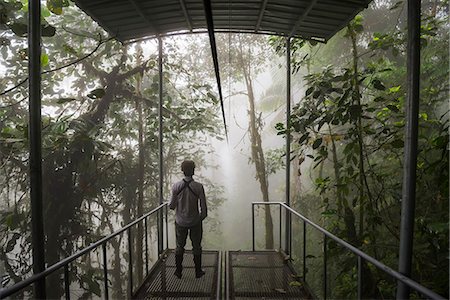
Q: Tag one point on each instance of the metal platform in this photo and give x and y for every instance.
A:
(161, 283)
(263, 275)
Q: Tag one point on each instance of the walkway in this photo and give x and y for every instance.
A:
(262, 275)
(248, 275)
(162, 284)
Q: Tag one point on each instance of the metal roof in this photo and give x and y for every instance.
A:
(129, 20)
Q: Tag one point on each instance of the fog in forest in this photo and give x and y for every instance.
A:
(100, 144)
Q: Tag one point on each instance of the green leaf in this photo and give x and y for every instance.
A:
(395, 89)
(44, 60)
(97, 93)
(212, 97)
(355, 111)
(317, 143)
(397, 143)
(296, 283)
(65, 100)
(309, 91)
(440, 141)
(45, 12)
(19, 29)
(378, 85)
(303, 138)
(56, 6)
(423, 116)
(393, 108)
(329, 212)
(48, 30)
(11, 244)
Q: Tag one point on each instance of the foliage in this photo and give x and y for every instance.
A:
(90, 103)
(349, 126)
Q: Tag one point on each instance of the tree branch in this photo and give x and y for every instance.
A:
(101, 42)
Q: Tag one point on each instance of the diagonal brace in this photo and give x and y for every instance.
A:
(212, 41)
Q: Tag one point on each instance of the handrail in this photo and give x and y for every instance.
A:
(410, 282)
(5, 292)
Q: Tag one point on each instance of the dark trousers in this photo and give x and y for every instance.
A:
(195, 233)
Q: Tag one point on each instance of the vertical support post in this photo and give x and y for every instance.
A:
(304, 251)
(288, 145)
(161, 169)
(325, 275)
(130, 263)
(359, 278)
(146, 245)
(281, 232)
(167, 226)
(105, 271)
(410, 155)
(34, 106)
(66, 282)
(253, 227)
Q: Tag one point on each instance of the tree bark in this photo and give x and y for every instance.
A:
(257, 155)
(140, 183)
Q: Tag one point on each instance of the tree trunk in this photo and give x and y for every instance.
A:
(140, 183)
(370, 288)
(342, 204)
(258, 159)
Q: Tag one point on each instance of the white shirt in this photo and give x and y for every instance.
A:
(187, 199)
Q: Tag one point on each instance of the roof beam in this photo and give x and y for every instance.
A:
(261, 14)
(212, 40)
(186, 15)
(138, 9)
(302, 17)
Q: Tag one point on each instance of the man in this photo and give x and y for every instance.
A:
(186, 195)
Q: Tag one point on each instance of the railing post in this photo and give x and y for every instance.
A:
(167, 226)
(35, 142)
(253, 227)
(130, 263)
(160, 127)
(359, 278)
(288, 145)
(146, 245)
(325, 287)
(304, 251)
(105, 271)
(410, 153)
(281, 233)
(66, 282)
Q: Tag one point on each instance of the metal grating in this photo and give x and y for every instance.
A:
(128, 20)
(262, 275)
(162, 284)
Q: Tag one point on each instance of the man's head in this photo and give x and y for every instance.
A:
(188, 167)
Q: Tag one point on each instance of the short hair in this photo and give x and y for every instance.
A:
(188, 167)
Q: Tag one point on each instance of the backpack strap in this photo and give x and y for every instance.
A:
(187, 185)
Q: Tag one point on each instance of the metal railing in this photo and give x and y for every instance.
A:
(5, 292)
(360, 254)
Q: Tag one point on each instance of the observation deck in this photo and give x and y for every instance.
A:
(231, 275)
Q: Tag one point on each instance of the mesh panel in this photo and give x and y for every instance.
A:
(262, 275)
(162, 283)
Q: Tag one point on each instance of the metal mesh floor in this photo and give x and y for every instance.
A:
(261, 275)
(161, 283)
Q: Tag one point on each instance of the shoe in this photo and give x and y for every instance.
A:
(179, 266)
(198, 266)
(199, 273)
